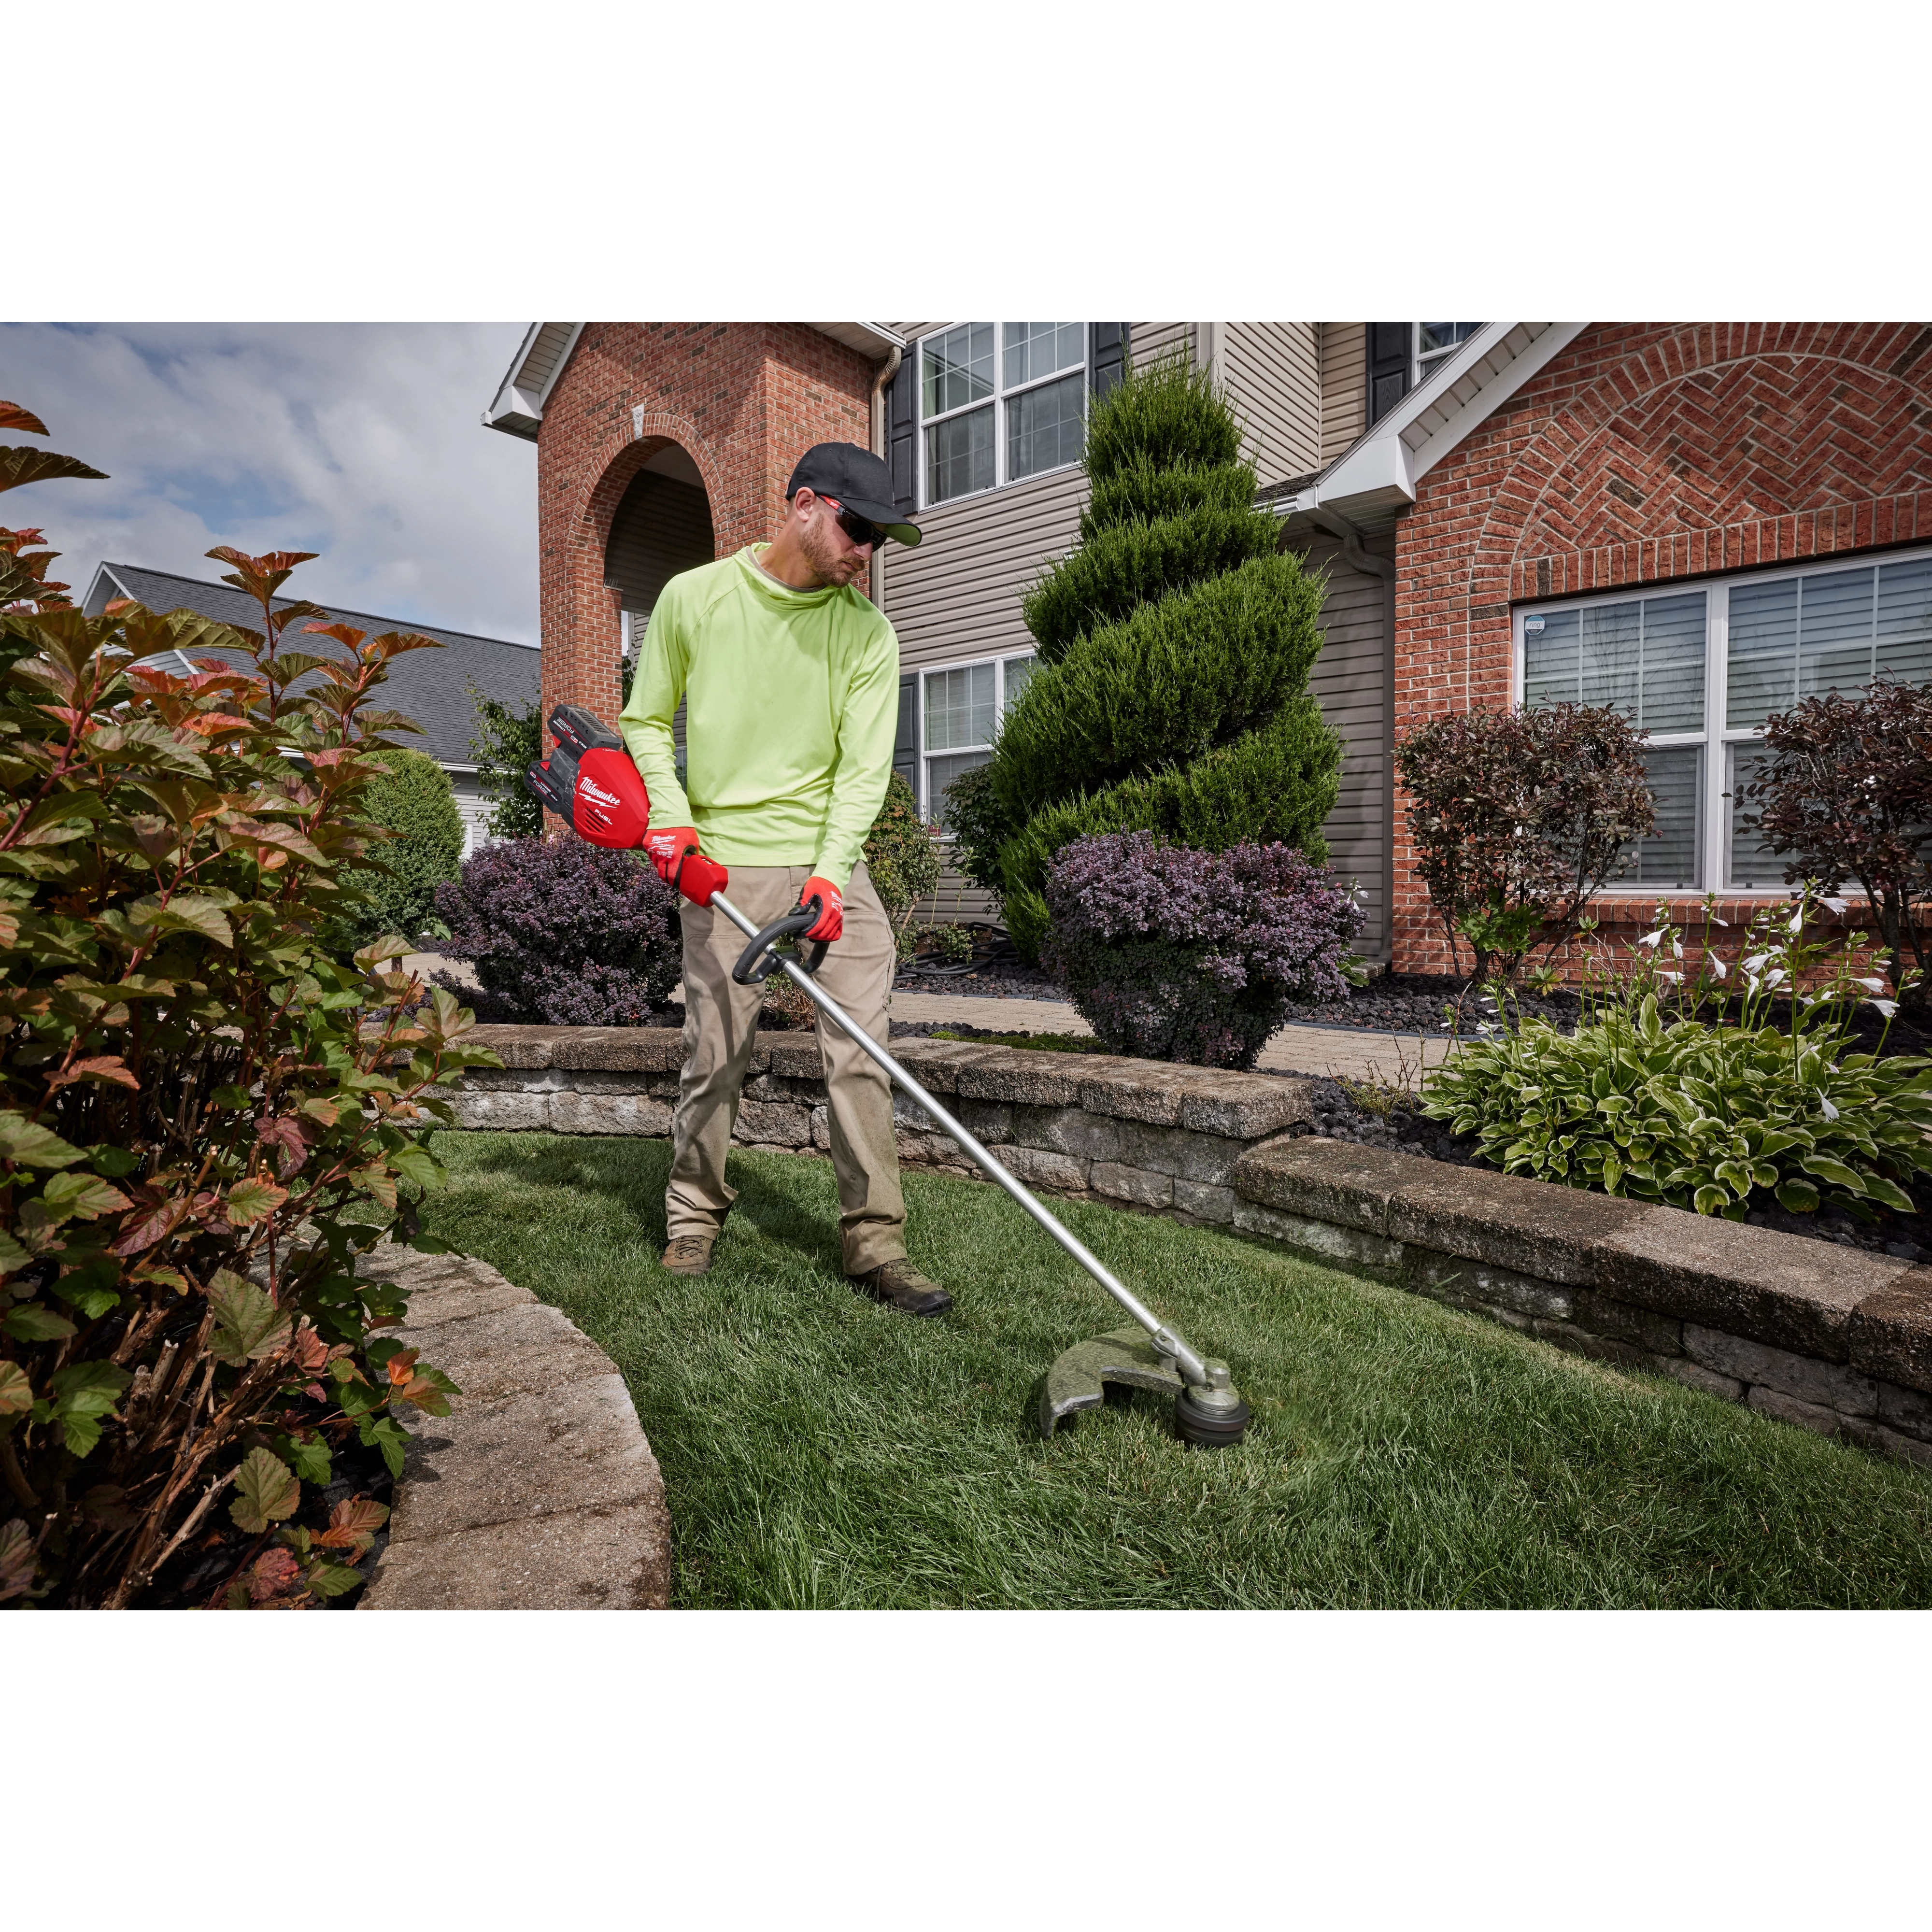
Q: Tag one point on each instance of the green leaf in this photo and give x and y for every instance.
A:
(265, 1491)
(78, 1434)
(253, 1200)
(17, 1393)
(31, 1146)
(33, 1323)
(381, 1432)
(1709, 1200)
(81, 1197)
(331, 1579)
(1835, 1171)
(12, 1254)
(418, 1164)
(310, 1460)
(1890, 1193)
(248, 1325)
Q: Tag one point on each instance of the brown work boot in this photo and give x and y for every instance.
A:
(901, 1286)
(689, 1254)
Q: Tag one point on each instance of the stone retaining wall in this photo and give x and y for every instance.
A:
(1830, 1338)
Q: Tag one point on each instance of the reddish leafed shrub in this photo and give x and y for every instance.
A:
(562, 932)
(1170, 954)
(1517, 817)
(1845, 786)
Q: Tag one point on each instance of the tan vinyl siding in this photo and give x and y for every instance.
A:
(1272, 371)
(1350, 681)
(1345, 386)
(1147, 341)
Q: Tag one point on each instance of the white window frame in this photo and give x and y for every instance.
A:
(1718, 738)
(1422, 364)
(1000, 663)
(997, 402)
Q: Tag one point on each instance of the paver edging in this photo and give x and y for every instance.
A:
(1831, 1338)
(538, 1491)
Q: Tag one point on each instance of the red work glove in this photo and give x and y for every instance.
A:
(665, 846)
(832, 908)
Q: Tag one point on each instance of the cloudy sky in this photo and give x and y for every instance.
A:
(358, 441)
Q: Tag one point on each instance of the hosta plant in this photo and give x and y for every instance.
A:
(1704, 1117)
(204, 1117)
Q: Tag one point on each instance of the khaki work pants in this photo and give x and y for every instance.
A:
(721, 1022)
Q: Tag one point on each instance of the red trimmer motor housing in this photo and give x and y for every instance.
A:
(590, 783)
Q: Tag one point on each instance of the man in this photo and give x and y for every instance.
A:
(791, 681)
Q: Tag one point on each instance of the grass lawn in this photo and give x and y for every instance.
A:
(820, 1451)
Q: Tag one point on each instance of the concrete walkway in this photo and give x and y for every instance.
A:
(1394, 1058)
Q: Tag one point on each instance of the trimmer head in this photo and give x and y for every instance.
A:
(1216, 1417)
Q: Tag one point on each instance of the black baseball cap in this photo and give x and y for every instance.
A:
(858, 480)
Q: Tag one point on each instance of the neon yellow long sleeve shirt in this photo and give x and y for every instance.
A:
(791, 705)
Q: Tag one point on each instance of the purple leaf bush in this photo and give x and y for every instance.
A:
(561, 932)
(1172, 954)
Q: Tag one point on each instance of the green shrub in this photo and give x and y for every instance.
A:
(508, 742)
(1700, 1116)
(901, 858)
(1175, 646)
(204, 1116)
(414, 802)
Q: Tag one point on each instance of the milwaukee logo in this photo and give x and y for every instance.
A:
(590, 789)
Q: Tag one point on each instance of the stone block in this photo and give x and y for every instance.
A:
(1072, 1131)
(991, 1121)
(502, 1113)
(1906, 1409)
(1881, 1441)
(766, 1124)
(1803, 1377)
(935, 1063)
(521, 1349)
(1598, 1347)
(520, 1046)
(1786, 1290)
(1811, 1415)
(1134, 1090)
(1131, 1183)
(1037, 1167)
(431, 1305)
(510, 1080)
(1348, 1247)
(920, 1149)
(795, 1056)
(1244, 1106)
(1323, 1180)
(609, 1113)
(1030, 1079)
(570, 1448)
(1548, 1232)
(593, 1559)
(1445, 1277)
(601, 1080)
(1891, 1333)
(821, 1128)
(620, 1049)
(1604, 1315)
(1694, 1375)
(1205, 1203)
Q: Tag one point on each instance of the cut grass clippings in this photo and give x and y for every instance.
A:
(821, 1451)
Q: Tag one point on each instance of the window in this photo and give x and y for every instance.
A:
(1435, 342)
(999, 402)
(960, 712)
(1700, 671)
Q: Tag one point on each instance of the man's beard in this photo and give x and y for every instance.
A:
(828, 564)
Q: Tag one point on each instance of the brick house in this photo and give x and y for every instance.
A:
(1502, 511)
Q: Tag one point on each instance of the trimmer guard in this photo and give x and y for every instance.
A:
(1078, 1379)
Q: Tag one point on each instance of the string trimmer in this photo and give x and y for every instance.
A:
(1207, 1408)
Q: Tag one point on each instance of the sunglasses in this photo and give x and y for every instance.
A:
(855, 526)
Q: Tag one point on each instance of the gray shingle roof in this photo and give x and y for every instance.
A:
(425, 685)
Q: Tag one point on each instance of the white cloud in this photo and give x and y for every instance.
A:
(359, 441)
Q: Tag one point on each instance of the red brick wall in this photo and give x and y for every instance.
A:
(1645, 453)
(745, 400)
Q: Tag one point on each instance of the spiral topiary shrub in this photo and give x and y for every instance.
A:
(413, 800)
(1173, 954)
(1175, 645)
(562, 932)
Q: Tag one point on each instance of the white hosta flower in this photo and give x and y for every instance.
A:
(1797, 925)
(1652, 938)
(1836, 905)
(1872, 986)
(1718, 966)
(1755, 961)
(1888, 1007)
(1830, 1112)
